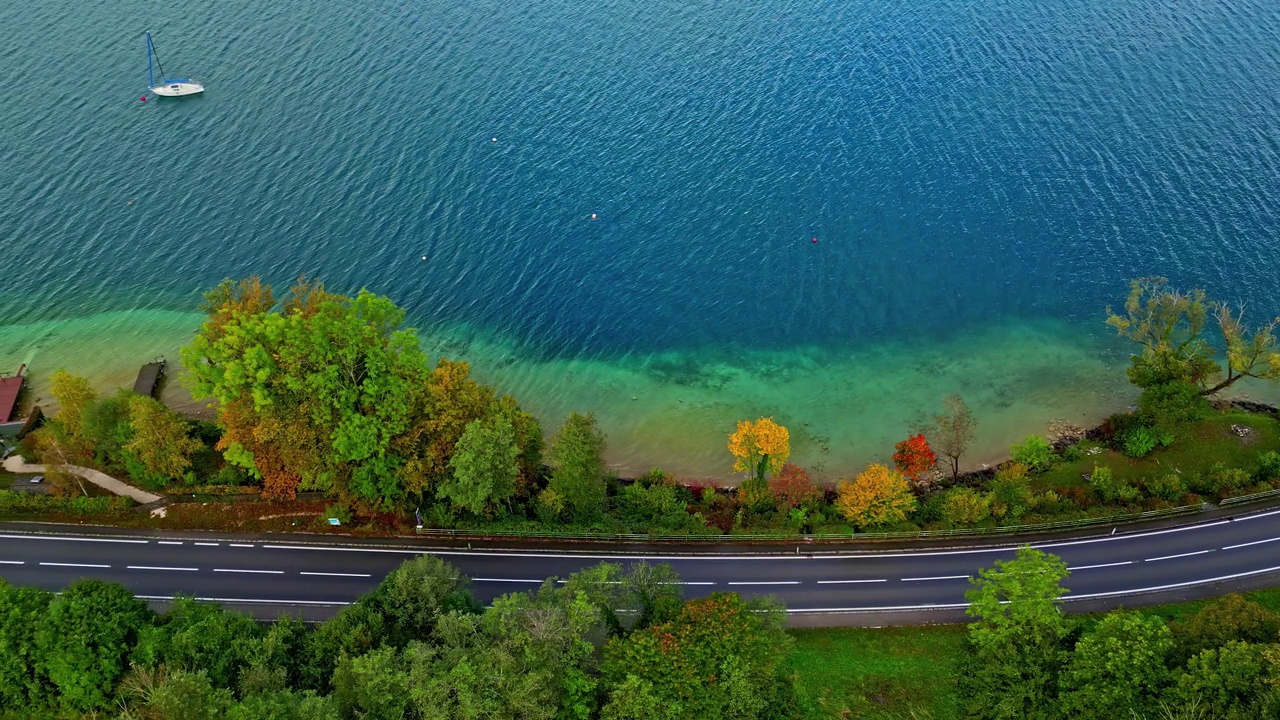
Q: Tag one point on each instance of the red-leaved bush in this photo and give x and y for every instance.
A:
(792, 487)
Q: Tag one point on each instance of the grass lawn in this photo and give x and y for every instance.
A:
(879, 674)
(1207, 442)
(908, 673)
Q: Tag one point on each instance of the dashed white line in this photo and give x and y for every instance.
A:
(1170, 557)
(255, 601)
(86, 565)
(1104, 565)
(1255, 542)
(74, 539)
(335, 574)
(510, 580)
(156, 567)
(940, 577)
(168, 542)
(206, 544)
(13, 562)
(847, 582)
(239, 545)
(767, 582)
(259, 572)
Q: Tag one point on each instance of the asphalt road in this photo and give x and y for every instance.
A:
(267, 575)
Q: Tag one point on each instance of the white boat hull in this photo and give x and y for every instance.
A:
(178, 88)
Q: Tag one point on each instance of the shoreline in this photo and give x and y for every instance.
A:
(844, 410)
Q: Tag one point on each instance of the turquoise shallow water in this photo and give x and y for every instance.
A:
(982, 177)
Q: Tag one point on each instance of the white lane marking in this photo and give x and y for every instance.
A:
(88, 565)
(940, 577)
(1173, 586)
(336, 574)
(767, 582)
(155, 567)
(73, 539)
(13, 562)
(504, 580)
(882, 608)
(845, 582)
(238, 545)
(688, 582)
(1170, 557)
(248, 600)
(1094, 567)
(206, 544)
(1255, 542)
(168, 542)
(260, 572)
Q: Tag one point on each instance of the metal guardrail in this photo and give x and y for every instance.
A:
(919, 534)
(1255, 497)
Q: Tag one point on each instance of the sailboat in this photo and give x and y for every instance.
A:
(168, 87)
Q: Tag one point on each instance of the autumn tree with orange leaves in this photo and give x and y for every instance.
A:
(878, 496)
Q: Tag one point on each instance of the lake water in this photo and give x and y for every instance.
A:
(617, 201)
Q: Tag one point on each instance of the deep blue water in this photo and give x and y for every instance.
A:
(958, 161)
(962, 163)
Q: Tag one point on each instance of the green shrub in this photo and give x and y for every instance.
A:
(1072, 453)
(964, 506)
(1109, 488)
(1221, 480)
(1010, 494)
(1035, 452)
(1172, 405)
(1268, 466)
(1166, 487)
(1139, 442)
(549, 506)
(19, 503)
(340, 511)
(653, 509)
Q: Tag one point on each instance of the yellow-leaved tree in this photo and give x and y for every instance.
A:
(760, 448)
(878, 496)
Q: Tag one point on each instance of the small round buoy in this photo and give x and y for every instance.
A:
(424, 257)
(143, 98)
(593, 216)
(494, 140)
(815, 240)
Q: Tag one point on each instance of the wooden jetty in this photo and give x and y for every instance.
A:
(148, 377)
(10, 386)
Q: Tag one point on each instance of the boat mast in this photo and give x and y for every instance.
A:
(151, 78)
(151, 51)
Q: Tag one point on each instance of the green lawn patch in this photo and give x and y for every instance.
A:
(877, 674)
(1195, 450)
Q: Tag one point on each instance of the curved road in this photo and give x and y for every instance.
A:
(266, 575)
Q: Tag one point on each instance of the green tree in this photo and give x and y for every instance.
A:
(577, 456)
(1169, 326)
(1016, 644)
(284, 705)
(1118, 668)
(1229, 680)
(311, 395)
(413, 597)
(201, 637)
(485, 466)
(1230, 617)
(74, 396)
(159, 439)
(1035, 453)
(84, 640)
(374, 686)
(720, 658)
(950, 431)
(636, 699)
(21, 686)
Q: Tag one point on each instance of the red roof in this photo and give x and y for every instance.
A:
(9, 389)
